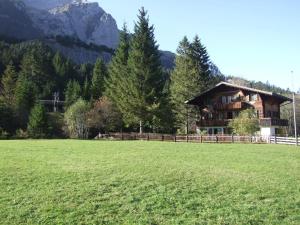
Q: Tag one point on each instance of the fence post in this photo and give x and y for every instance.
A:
(175, 139)
(201, 139)
(148, 137)
(232, 138)
(122, 136)
(250, 139)
(217, 139)
(162, 137)
(187, 138)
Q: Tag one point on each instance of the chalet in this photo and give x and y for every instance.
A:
(224, 102)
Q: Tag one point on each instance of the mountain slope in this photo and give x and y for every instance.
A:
(83, 20)
(15, 22)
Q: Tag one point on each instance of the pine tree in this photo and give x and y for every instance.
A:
(59, 65)
(116, 82)
(25, 96)
(202, 63)
(36, 65)
(184, 82)
(38, 125)
(191, 76)
(8, 85)
(86, 90)
(99, 75)
(72, 93)
(145, 82)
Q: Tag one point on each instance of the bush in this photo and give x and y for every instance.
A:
(246, 123)
(76, 119)
(21, 134)
(3, 134)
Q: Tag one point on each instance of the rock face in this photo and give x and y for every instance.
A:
(81, 19)
(46, 4)
(14, 21)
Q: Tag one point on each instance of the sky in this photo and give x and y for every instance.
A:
(254, 39)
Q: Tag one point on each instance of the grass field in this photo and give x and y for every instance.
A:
(90, 182)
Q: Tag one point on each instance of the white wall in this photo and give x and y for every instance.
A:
(267, 131)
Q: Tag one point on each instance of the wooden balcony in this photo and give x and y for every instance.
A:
(268, 122)
(230, 106)
(265, 122)
(213, 123)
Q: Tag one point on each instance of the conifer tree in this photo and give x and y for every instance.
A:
(25, 96)
(8, 85)
(184, 82)
(145, 82)
(38, 125)
(116, 82)
(86, 90)
(202, 63)
(191, 76)
(99, 75)
(72, 93)
(59, 65)
(36, 65)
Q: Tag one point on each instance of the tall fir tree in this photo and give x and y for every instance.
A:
(99, 75)
(72, 93)
(38, 124)
(116, 82)
(191, 76)
(145, 81)
(202, 63)
(36, 65)
(26, 97)
(8, 85)
(86, 95)
(184, 83)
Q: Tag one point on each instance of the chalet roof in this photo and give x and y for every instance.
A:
(238, 87)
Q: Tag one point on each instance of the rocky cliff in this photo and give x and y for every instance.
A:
(84, 20)
(79, 19)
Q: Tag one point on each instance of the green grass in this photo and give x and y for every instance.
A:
(94, 182)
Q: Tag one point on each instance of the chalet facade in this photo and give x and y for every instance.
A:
(224, 102)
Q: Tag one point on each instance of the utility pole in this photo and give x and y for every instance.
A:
(294, 109)
(55, 101)
(295, 118)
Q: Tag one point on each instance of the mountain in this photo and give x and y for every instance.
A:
(81, 30)
(84, 20)
(46, 4)
(15, 22)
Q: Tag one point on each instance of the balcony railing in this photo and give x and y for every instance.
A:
(213, 123)
(265, 122)
(268, 122)
(229, 106)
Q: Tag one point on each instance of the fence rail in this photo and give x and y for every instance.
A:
(184, 138)
(283, 140)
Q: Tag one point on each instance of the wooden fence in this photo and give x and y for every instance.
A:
(184, 138)
(283, 140)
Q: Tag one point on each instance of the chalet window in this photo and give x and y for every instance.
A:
(220, 116)
(224, 100)
(229, 99)
(253, 97)
(229, 115)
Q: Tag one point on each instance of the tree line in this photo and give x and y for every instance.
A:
(131, 93)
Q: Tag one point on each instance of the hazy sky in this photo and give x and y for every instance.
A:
(254, 39)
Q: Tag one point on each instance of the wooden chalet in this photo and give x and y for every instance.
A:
(225, 101)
